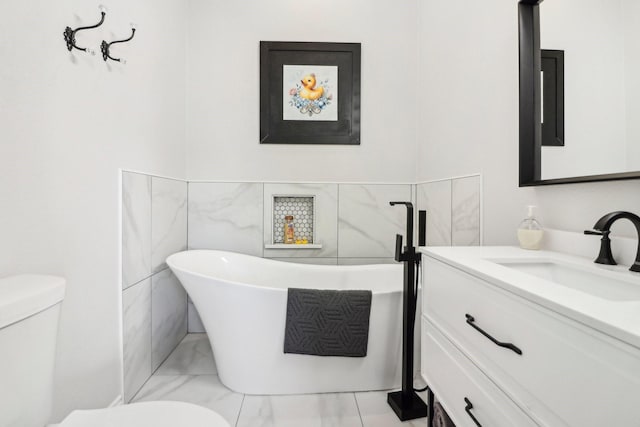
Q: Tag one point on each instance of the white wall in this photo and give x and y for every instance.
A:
(223, 90)
(469, 121)
(68, 123)
(632, 64)
(595, 87)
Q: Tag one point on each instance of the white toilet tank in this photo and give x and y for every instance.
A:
(29, 308)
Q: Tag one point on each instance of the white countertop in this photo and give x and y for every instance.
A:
(619, 319)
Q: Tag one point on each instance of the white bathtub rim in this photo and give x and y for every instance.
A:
(311, 267)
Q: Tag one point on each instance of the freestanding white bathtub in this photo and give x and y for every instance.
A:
(242, 301)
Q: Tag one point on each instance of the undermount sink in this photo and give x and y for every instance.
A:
(601, 284)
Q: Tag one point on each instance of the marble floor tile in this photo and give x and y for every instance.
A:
(203, 390)
(193, 356)
(186, 376)
(418, 382)
(376, 412)
(308, 410)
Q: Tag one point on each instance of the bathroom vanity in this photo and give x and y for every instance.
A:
(530, 338)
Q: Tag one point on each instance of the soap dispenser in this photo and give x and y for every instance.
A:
(530, 231)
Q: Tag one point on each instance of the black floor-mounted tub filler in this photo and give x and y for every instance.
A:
(406, 403)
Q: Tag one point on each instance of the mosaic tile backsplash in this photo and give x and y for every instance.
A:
(301, 208)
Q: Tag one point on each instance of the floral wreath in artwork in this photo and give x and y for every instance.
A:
(310, 96)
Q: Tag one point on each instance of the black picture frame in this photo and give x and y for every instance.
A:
(530, 137)
(275, 130)
(552, 64)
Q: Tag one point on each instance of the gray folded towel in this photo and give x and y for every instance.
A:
(327, 322)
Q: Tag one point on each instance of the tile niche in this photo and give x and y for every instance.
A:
(302, 209)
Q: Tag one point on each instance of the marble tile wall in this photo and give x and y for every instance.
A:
(136, 312)
(168, 315)
(226, 216)
(367, 224)
(154, 225)
(168, 220)
(435, 198)
(453, 211)
(354, 223)
(136, 228)
(194, 323)
(465, 211)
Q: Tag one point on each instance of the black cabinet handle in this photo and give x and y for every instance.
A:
(468, 409)
(510, 346)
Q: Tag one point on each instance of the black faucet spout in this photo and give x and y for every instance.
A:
(605, 223)
(409, 206)
(603, 227)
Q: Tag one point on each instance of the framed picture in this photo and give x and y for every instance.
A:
(309, 93)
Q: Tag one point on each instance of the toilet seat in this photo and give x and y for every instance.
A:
(146, 414)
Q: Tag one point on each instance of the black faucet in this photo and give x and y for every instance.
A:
(406, 403)
(603, 228)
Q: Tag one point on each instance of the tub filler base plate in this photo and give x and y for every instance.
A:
(407, 406)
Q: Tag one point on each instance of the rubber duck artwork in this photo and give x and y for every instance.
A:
(309, 90)
(310, 95)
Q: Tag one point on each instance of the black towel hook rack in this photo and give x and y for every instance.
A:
(104, 46)
(70, 34)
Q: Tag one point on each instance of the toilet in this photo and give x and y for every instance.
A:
(29, 309)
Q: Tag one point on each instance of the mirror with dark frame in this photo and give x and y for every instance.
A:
(579, 91)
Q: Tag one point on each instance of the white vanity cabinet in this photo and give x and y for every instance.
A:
(517, 362)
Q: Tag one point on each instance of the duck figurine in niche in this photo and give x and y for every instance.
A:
(309, 90)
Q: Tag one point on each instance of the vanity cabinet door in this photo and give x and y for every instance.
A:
(463, 390)
(560, 372)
